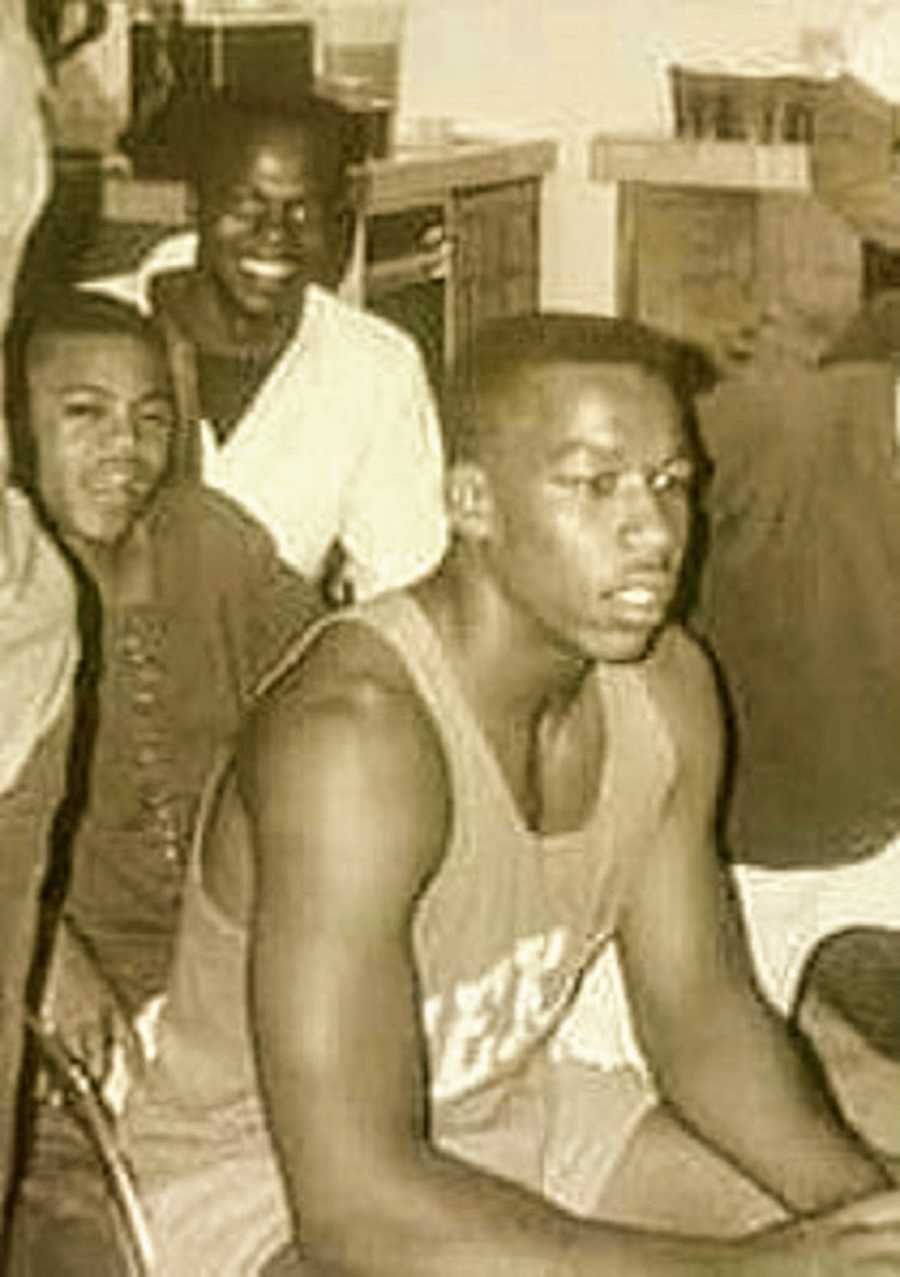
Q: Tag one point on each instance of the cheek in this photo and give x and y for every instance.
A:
(61, 466)
(220, 243)
(551, 551)
(678, 518)
(155, 455)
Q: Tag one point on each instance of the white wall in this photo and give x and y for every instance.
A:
(574, 68)
(563, 68)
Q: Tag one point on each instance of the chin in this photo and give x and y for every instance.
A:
(106, 530)
(624, 646)
(266, 305)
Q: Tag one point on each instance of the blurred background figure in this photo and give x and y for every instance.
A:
(37, 629)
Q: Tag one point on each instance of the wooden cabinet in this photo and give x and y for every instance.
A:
(484, 198)
(709, 264)
(712, 237)
(497, 262)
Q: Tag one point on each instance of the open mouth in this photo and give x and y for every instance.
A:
(642, 604)
(117, 487)
(268, 271)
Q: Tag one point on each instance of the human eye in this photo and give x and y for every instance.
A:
(80, 409)
(676, 476)
(297, 214)
(593, 483)
(244, 206)
(156, 418)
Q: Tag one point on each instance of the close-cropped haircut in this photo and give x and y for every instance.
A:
(504, 348)
(81, 311)
(55, 312)
(217, 130)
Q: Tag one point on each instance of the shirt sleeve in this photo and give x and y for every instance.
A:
(38, 639)
(394, 528)
(267, 603)
(281, 604)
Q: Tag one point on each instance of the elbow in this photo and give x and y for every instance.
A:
(358, 1244)
(370, 1227)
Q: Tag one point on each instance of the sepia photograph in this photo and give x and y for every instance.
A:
(450, 638)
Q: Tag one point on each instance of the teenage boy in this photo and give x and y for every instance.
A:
(185, 605)
(451, 802)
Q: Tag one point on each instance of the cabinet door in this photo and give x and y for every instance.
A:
(687, 259)
(707, 263)
(496, 270)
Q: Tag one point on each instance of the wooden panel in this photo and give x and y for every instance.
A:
(695, 266)
(497, 258)
(708, 264)
(677, 162)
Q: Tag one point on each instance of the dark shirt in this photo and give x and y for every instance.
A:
(176, 673)
(800, 601)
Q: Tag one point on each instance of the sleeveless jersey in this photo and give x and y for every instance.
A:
(503, 935)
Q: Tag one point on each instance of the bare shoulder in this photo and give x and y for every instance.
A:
(343, 741)
(685, 684)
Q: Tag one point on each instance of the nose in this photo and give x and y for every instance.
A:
(645, 524)
(273, 226)
(119, 433)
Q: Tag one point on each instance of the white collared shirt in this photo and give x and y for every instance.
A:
(341, 441)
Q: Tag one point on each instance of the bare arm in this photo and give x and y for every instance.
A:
(727, 1061)
(349, 810)
(348, 804)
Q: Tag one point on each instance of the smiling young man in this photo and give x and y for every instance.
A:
(184, 606)
(450, 803)
(311, 413)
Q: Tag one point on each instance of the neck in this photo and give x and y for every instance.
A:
(122, 570)
(512, 668)
(216, 325)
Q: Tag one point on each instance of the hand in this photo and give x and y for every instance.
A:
(436, 248)
(863, 1239)
(82, 1008)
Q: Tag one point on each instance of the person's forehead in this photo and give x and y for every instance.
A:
(118, 357)
(275, 153)
(616, 406)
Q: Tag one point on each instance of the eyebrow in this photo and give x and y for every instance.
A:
(570, 447)
(604, 453)
(92, 388)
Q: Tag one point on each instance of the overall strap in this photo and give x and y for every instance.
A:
(187, 455)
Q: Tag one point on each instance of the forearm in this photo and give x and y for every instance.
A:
(757, 1093)
(440, 1217)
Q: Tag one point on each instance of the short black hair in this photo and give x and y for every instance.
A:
(59, 311)
(505, 347)
(73, 310)
(214, 130)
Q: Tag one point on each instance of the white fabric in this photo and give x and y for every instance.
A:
(789, 911)
(24, 161)
(38, 645)
(342, 440)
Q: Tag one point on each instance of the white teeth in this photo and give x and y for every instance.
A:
(267, 270)
(115, 485)
(638, 595)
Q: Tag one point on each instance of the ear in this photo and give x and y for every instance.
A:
(191, 205)
(344, 216)
(470, 503)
